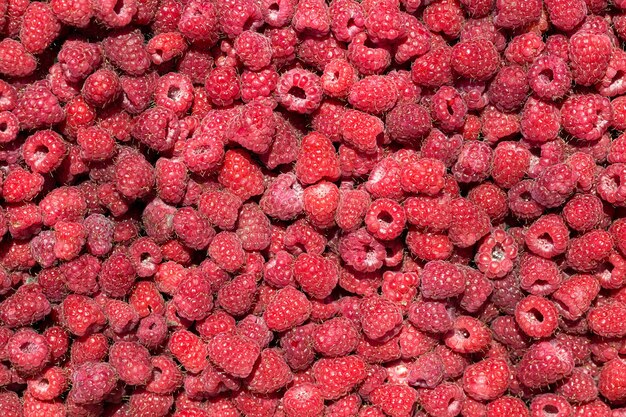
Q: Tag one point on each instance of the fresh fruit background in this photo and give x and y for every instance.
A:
(302, 208)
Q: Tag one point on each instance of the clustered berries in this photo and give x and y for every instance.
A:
(312, 208)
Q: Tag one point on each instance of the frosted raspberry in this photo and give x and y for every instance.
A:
(220, 207)
(408, 123)
(134, 176)
(26, 306)
(39, 28)
(233, 353)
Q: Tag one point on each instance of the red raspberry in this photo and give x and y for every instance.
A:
(335, 337)
(416, 42)
(237, 295)
(536, 316)
(194, 63)
(40, 27)
(254, 127)
(505, 406)
(240, 175)
(430, 316)
(475, 59)
(317, 160)
(545, 363)
(76, 13)
(311, 17)
(477, 290)
(554, 185)
(395, 400)
(557, 84)
(514, 15)
(566, 15)
(92, 382)
(353, 205)
(192, 228)
(137, 92)
(253, 49)
(27, 351)
(26, 306)
(253, 228)
(303, 400)
(284, 42)
(193, 298)
(101, 88)
(590, 250)
(21, 185)
(509, 164)
(610, 382)
(37, 107)
(465, 213)
(11, 127)
(548, 236)
(540, 121)
(69, 240)
(220, 207)
(235, 354)
(589, 54)
(278, 13)
(50, 385)
(299, 91)
(24, 221)
(316, 275)
(373, 94)
(444, 16)
(117, 275)
(338, 376)
(362, 131)
(473, 163)
(134, 176)
(258, 84)
(496, 254)
(171, 180)
(271, 374)
(423, 175)
(367, 59)
(92, 348)
(361, 251)
(544, 402)
(579, 387)
(539, 276)
(589, 128)
(445, 399)
(607, 320)
(448, 108)
(468, 335)
(96, 144)
(174, 91)
(115, 15)
(524, 48)
(408, 123)
(283, 198)
(380, 318)
(509, 88)
(189, 350)
(320, 203)
(199, 22)
(487, 380)
(203, 153)
(132, 362)
(225, 249)
(339, 77)
(385, 219)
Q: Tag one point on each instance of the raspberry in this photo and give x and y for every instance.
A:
(536, 316)
(380, 318)
(76, 13)
(515, 15)
(283, 198)
(464, 213)
(394, 399)
(475, 59)
(448, 108)
(468, 335)
(27, 351)
(21, 185)
(589, 54)
(240, 175)
(303, 400)
(351, 210)
(589, 128)
(339, 77)
(588, 251)
(320, 203)
(26, 306)
(487, 380)
(606, 320)
(444, 16)
(253, 49)
(317, 276)
(299, 91)
(131, 362)
(540, 121)
(430, 316)
(40, 27)
(424, 175)
(338, 376)
(548, 236)
(373, 94)
(271, 374)
(199, 22)
(115, 15)
(385, 219)
(92, 382)
(101, 88)
(235, 354)
(549, 77)
(504, 406)
(545, 363)
(361, 251)
(367, 59)
(408, 123)
(317, 159)
(96, 144)
(37, 107)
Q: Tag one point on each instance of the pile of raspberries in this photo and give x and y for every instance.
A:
(312, 208)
